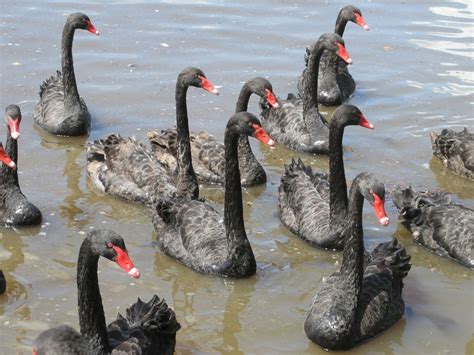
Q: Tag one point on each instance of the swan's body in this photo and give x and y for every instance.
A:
(194, 233)
(60, 110)
(3, 283)
(456, 150)
(125, 168)
(15, 209)
(208, 154)
(359, 302)
(444, 227)
(314, 205)
(148, 328)
(298, 124)
(335, 83)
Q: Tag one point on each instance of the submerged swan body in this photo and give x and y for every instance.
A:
(195, 234)
(359, 301)
(125, 168)
(444, 227)
(456, 150)
(147, 328)
(297, 123)
(60, 110)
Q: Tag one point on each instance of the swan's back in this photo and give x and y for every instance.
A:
(438, 224)
(147, 328)
(304, 205)
(50, 114)
(456, 150)
(193, 233)
(123, 167)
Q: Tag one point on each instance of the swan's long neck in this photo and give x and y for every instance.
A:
(337, 179)
(244, 149)
(341, 23)
(9, 176)
(187, 182)
(233, 209)
(71, 95)
(352, 268)
(91, 312)
(310, 95)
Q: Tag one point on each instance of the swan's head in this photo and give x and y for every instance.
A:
(373, 191)
(352, 13)
(5, 159)
(346, 115)
(263, 88)
(13, 119)
(110, 245)
(195, 77)
(247, 124)
(82, 21)
(334, 43)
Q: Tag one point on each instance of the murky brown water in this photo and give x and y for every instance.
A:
(414, 72)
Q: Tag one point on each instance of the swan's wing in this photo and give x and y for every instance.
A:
(192, 232)
(123, 167)
(304, 203)
(145, 325)
(51, 103)
(163, 146)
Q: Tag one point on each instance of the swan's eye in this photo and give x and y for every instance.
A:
(109, 245)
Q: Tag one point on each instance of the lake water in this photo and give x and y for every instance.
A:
(414, 74)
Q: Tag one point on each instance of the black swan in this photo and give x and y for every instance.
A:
(359, 302)
(314, 205)
(456, 150)
(147, 328)
(444, 227)
(125, 168)
(336, 84)
(60, 110)
(298, 124)
(195, 234)
(15, 209)
(208, 154)
(3, 283)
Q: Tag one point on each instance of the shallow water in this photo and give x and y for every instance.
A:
(414, 72)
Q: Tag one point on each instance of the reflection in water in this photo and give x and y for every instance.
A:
(451, 182)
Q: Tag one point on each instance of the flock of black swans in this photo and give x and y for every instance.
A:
(361, 300)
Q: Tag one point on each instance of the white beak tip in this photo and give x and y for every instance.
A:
(135, 273)
(384, 221)
(15, 135)
(366, 27)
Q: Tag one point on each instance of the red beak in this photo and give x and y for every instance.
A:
(271, 99)
(124, 261)
(343, 53)
(261, 135)
(5, 159)
(14, 127)
(207, 85)
(364, 122)
(361, 22)
(91, 28)
(379, 210)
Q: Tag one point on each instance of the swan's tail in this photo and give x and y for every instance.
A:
(54, 80)
(407, 197)
(151, 325)
(392, 255)
(296, 168)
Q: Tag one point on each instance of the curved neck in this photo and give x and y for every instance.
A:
(310, 94)
(71, 96)
(91, 311)
(244, 145)
(353, 254)
(9, 176)
(341, 23)
(187, 181)
(233, 209)
(338, 204)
